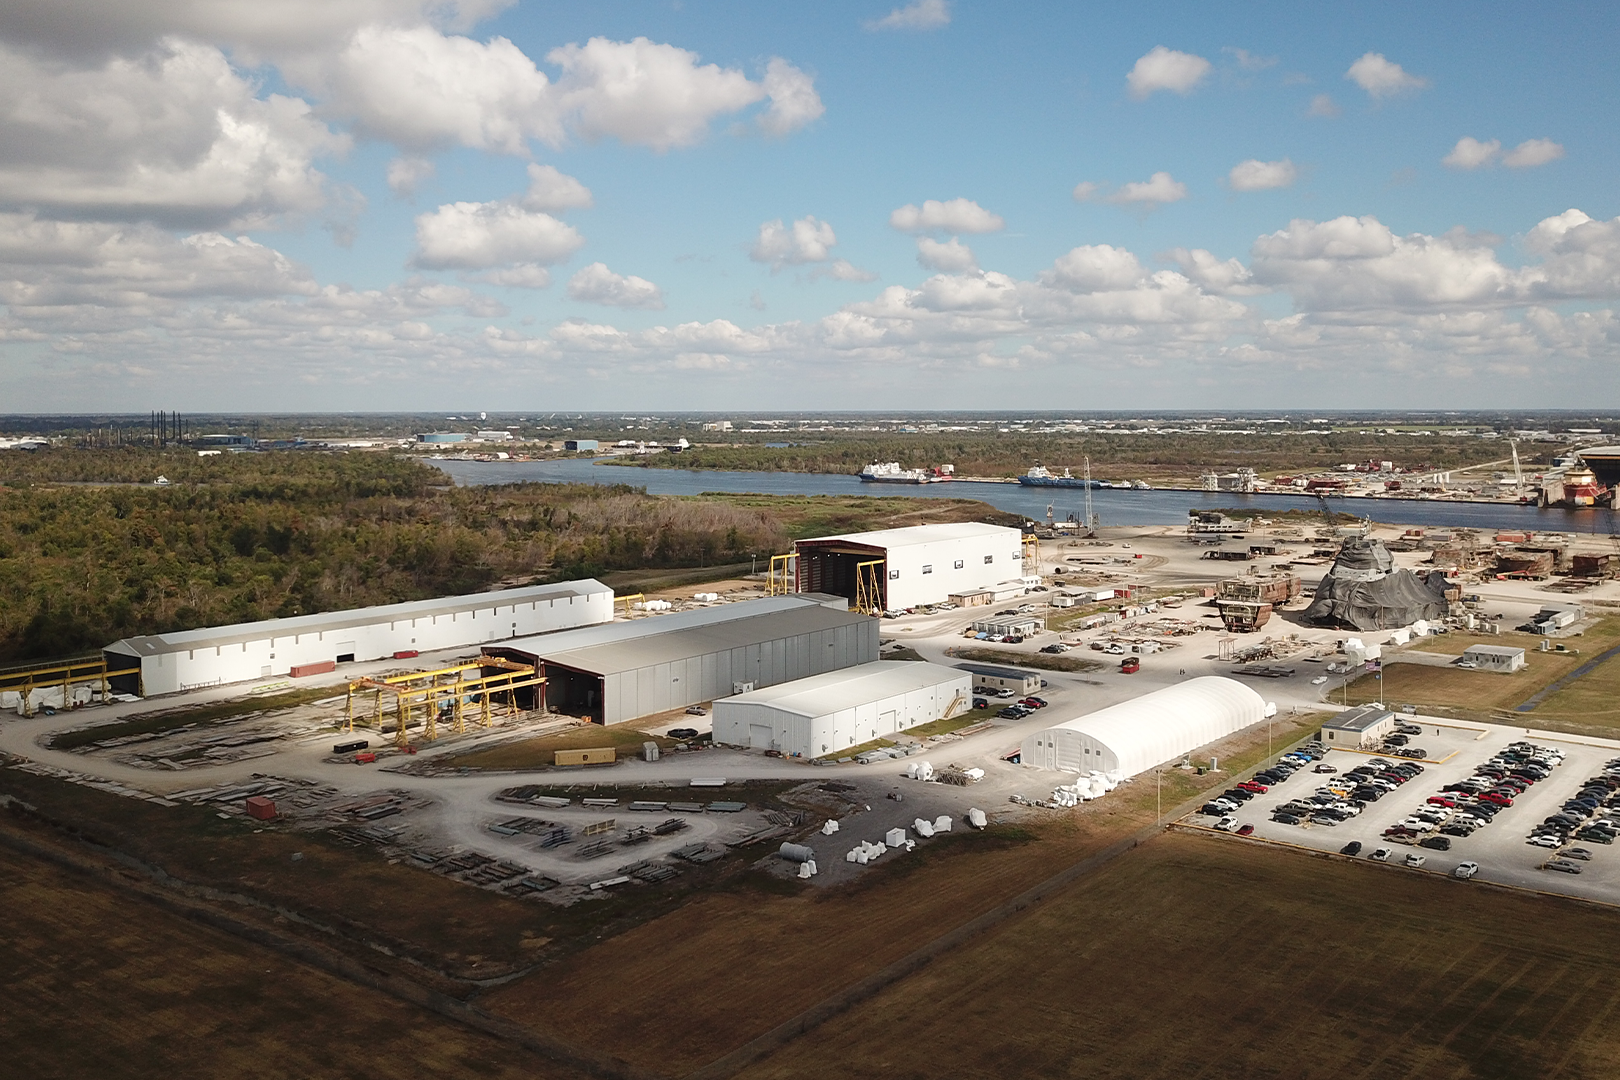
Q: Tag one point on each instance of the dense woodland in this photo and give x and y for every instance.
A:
(1114, 455)
(249, 536)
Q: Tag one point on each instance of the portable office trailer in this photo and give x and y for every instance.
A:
(631, 669)
(829, 713)
(166, 663)
(922, 564)
(990, 679)
(1504, 658)
(1358, 728)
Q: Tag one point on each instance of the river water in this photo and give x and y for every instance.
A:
(1112, 506)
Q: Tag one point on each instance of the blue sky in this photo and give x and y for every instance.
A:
(1277, 206)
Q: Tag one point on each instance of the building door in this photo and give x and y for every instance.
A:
(345, 652)
(759, 736)
(889, 722)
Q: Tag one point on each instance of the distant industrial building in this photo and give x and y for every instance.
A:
(1358, 728)
(627, 670)
(442, 437)
(580, 444)
(495, 435)
(1503, 658)
(892, 569)
(167, 663)
(223, 442)
(829, 713)
(1134, 736)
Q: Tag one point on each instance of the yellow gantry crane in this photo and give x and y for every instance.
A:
(869, 587)
(783, 577)
(456, 686)
(26, 682)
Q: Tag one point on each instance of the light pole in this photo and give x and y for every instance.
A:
(1158, 791)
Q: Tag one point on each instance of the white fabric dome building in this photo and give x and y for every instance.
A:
(1133, 736)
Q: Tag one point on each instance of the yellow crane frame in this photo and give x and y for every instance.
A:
(626, 601)
(66, 674)
(784, 575)
(1032, 554)
(441, 683)
(869, 587)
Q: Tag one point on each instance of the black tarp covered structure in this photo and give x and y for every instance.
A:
(1363, 591)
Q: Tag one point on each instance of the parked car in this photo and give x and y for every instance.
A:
(1576, 853)
(1415, 860)
(695, 710)
(1563, 866)
(1245, 829)
(1380, 854)
(1438, 843)
(1227, 824)
(1324, 769)
(1465, 870)
(1352, 848)
(1285, 819)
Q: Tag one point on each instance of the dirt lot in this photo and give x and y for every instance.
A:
(542, 752)
(98, 985)
(1194, 957)
(771, 956)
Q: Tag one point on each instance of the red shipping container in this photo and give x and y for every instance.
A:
(406, 654)
(262, 808)
(320, 667)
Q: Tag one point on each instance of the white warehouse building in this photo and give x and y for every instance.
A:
(1134, 736)
(922, 564)
(167, 663)
(831, 712)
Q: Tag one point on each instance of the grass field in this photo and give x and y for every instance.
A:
(1486, 695)
(1196, 957)
(100, 985)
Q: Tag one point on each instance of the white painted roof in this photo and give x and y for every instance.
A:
(913, 535)
(1167, 723)
(848, 688)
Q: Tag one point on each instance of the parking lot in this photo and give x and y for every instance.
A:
(1500, 847)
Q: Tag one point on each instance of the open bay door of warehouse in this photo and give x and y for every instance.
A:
(759, 736)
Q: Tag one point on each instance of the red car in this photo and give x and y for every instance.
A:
(1257, 788)
(1245, 830)
(1442, 800)
(1033, 702)
(1497, 798)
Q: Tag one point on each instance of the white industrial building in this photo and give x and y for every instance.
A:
(166, 663)
(1134, 736)
(1504, 658)
(627, 670)
(829, 713)
(1359, 728)
(923, 564)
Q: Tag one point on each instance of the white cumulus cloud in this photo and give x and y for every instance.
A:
(596, 284)
(175, 136)
(1323, 106)
(921, 15)
(405, 173)
(807, 240)
(952, 256)
(844, 270)
(1157, 189)
(1383, 78)
(477, 236)
(1228, 277)
(550, 190)
(1531, 153)
(952, 216)
(1166, 69)
(1470, 153)
(1254, 175)
(794, 101)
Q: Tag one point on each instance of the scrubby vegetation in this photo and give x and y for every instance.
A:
(252, 536)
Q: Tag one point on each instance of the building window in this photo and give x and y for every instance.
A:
(958, 564)
(928, 568)
(988, 559)
(894, 575)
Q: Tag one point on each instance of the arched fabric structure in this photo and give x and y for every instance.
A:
(1133, 736)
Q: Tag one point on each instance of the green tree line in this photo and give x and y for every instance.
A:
(255, 536)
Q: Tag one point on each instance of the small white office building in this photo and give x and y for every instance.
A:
(922, 564)
(831, 712)
(1503, 658)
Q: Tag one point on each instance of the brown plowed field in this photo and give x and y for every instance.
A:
(98, 984)
(1194, 957)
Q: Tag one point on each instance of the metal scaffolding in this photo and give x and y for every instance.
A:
(446, 693)
(869, 586)
(25, 682)
(784, 575)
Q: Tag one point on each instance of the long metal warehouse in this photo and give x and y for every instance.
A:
(166, 663)
(832, 712)
(1133, 736)
(626, 670)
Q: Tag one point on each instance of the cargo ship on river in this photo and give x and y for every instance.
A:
(890, 472)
